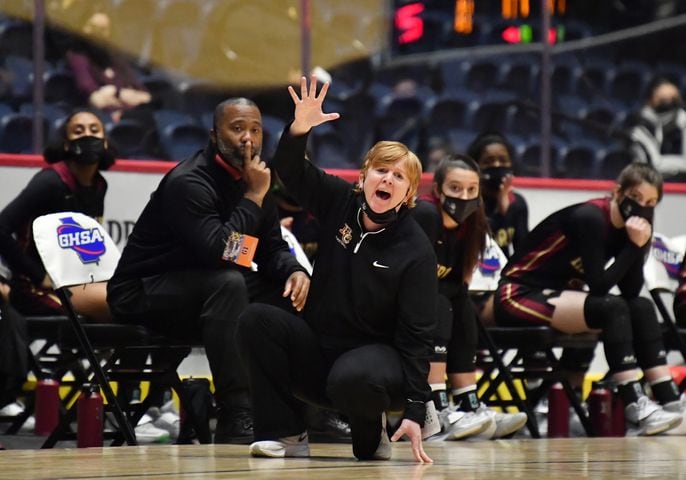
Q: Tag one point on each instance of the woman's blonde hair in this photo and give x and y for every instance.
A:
(388, 152)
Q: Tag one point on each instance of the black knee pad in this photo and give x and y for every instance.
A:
(444, 329)
(648, 342)
(463, 343)
(610, 314)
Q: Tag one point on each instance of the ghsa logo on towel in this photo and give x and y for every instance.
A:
(88, 244)
(667, 256)
(490, 263)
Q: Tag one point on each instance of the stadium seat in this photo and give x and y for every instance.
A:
(16, 38)
(16, 133)
(180, 141)
(399, 118)
(528, 163)
(198, 97)
(445, 114)
(487, 115)
(53, 113)
(481, 75)
(578, 160)
(272, 128)
(329, 150)
(612, 162)
(20, 73)
(59, 86)
(519, 76)
(628, 85)
(356, 122)
(593, 79)
(132, 139)
(521, 121)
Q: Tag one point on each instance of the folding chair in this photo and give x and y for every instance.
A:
(510, 352)
(661, 272)
(76, 250)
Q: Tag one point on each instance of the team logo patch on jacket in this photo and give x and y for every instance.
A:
(346, 235)
(89, 244)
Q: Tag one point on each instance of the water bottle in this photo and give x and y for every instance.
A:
(558, 412)
(600, 410)
(89, 417)
(47, 406)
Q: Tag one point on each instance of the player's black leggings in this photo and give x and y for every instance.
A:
(457, 334)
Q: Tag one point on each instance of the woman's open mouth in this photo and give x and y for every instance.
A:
(382, 195)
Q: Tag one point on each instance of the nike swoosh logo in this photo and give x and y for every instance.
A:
(378, 265)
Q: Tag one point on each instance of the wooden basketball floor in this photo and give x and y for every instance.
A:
(616, 458)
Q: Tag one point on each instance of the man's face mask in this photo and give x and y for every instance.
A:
(87, 150)
(459, 209)
(629, 207)
(492, 177)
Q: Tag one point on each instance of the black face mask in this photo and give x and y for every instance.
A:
(87, 150)
(492, 177)
(380, 218)
(459, 209)
(668, 106)
(629, 207)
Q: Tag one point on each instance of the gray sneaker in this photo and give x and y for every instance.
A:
(646, 417)
(293, 446)
(504, 423)
(456, 424)
(678, 407)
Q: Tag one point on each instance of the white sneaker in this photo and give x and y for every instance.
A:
(146, 432)
(503, 423)
(384, 450)
(17, 408)
(293, 446)
(456, 424)
(646, 417)
(678, 406)
(166, 418)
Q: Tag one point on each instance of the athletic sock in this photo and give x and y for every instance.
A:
(439, 395)
(664, 390)
(630, 391)
(465, 398)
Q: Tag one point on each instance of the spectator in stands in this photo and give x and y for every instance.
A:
(453, 218)
(659, 135)
(186, 269)
(365, 341)
(680, 296)
(72, 182)
(558, 277)
(105, 77)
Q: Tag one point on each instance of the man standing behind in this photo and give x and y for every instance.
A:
(185, 271)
